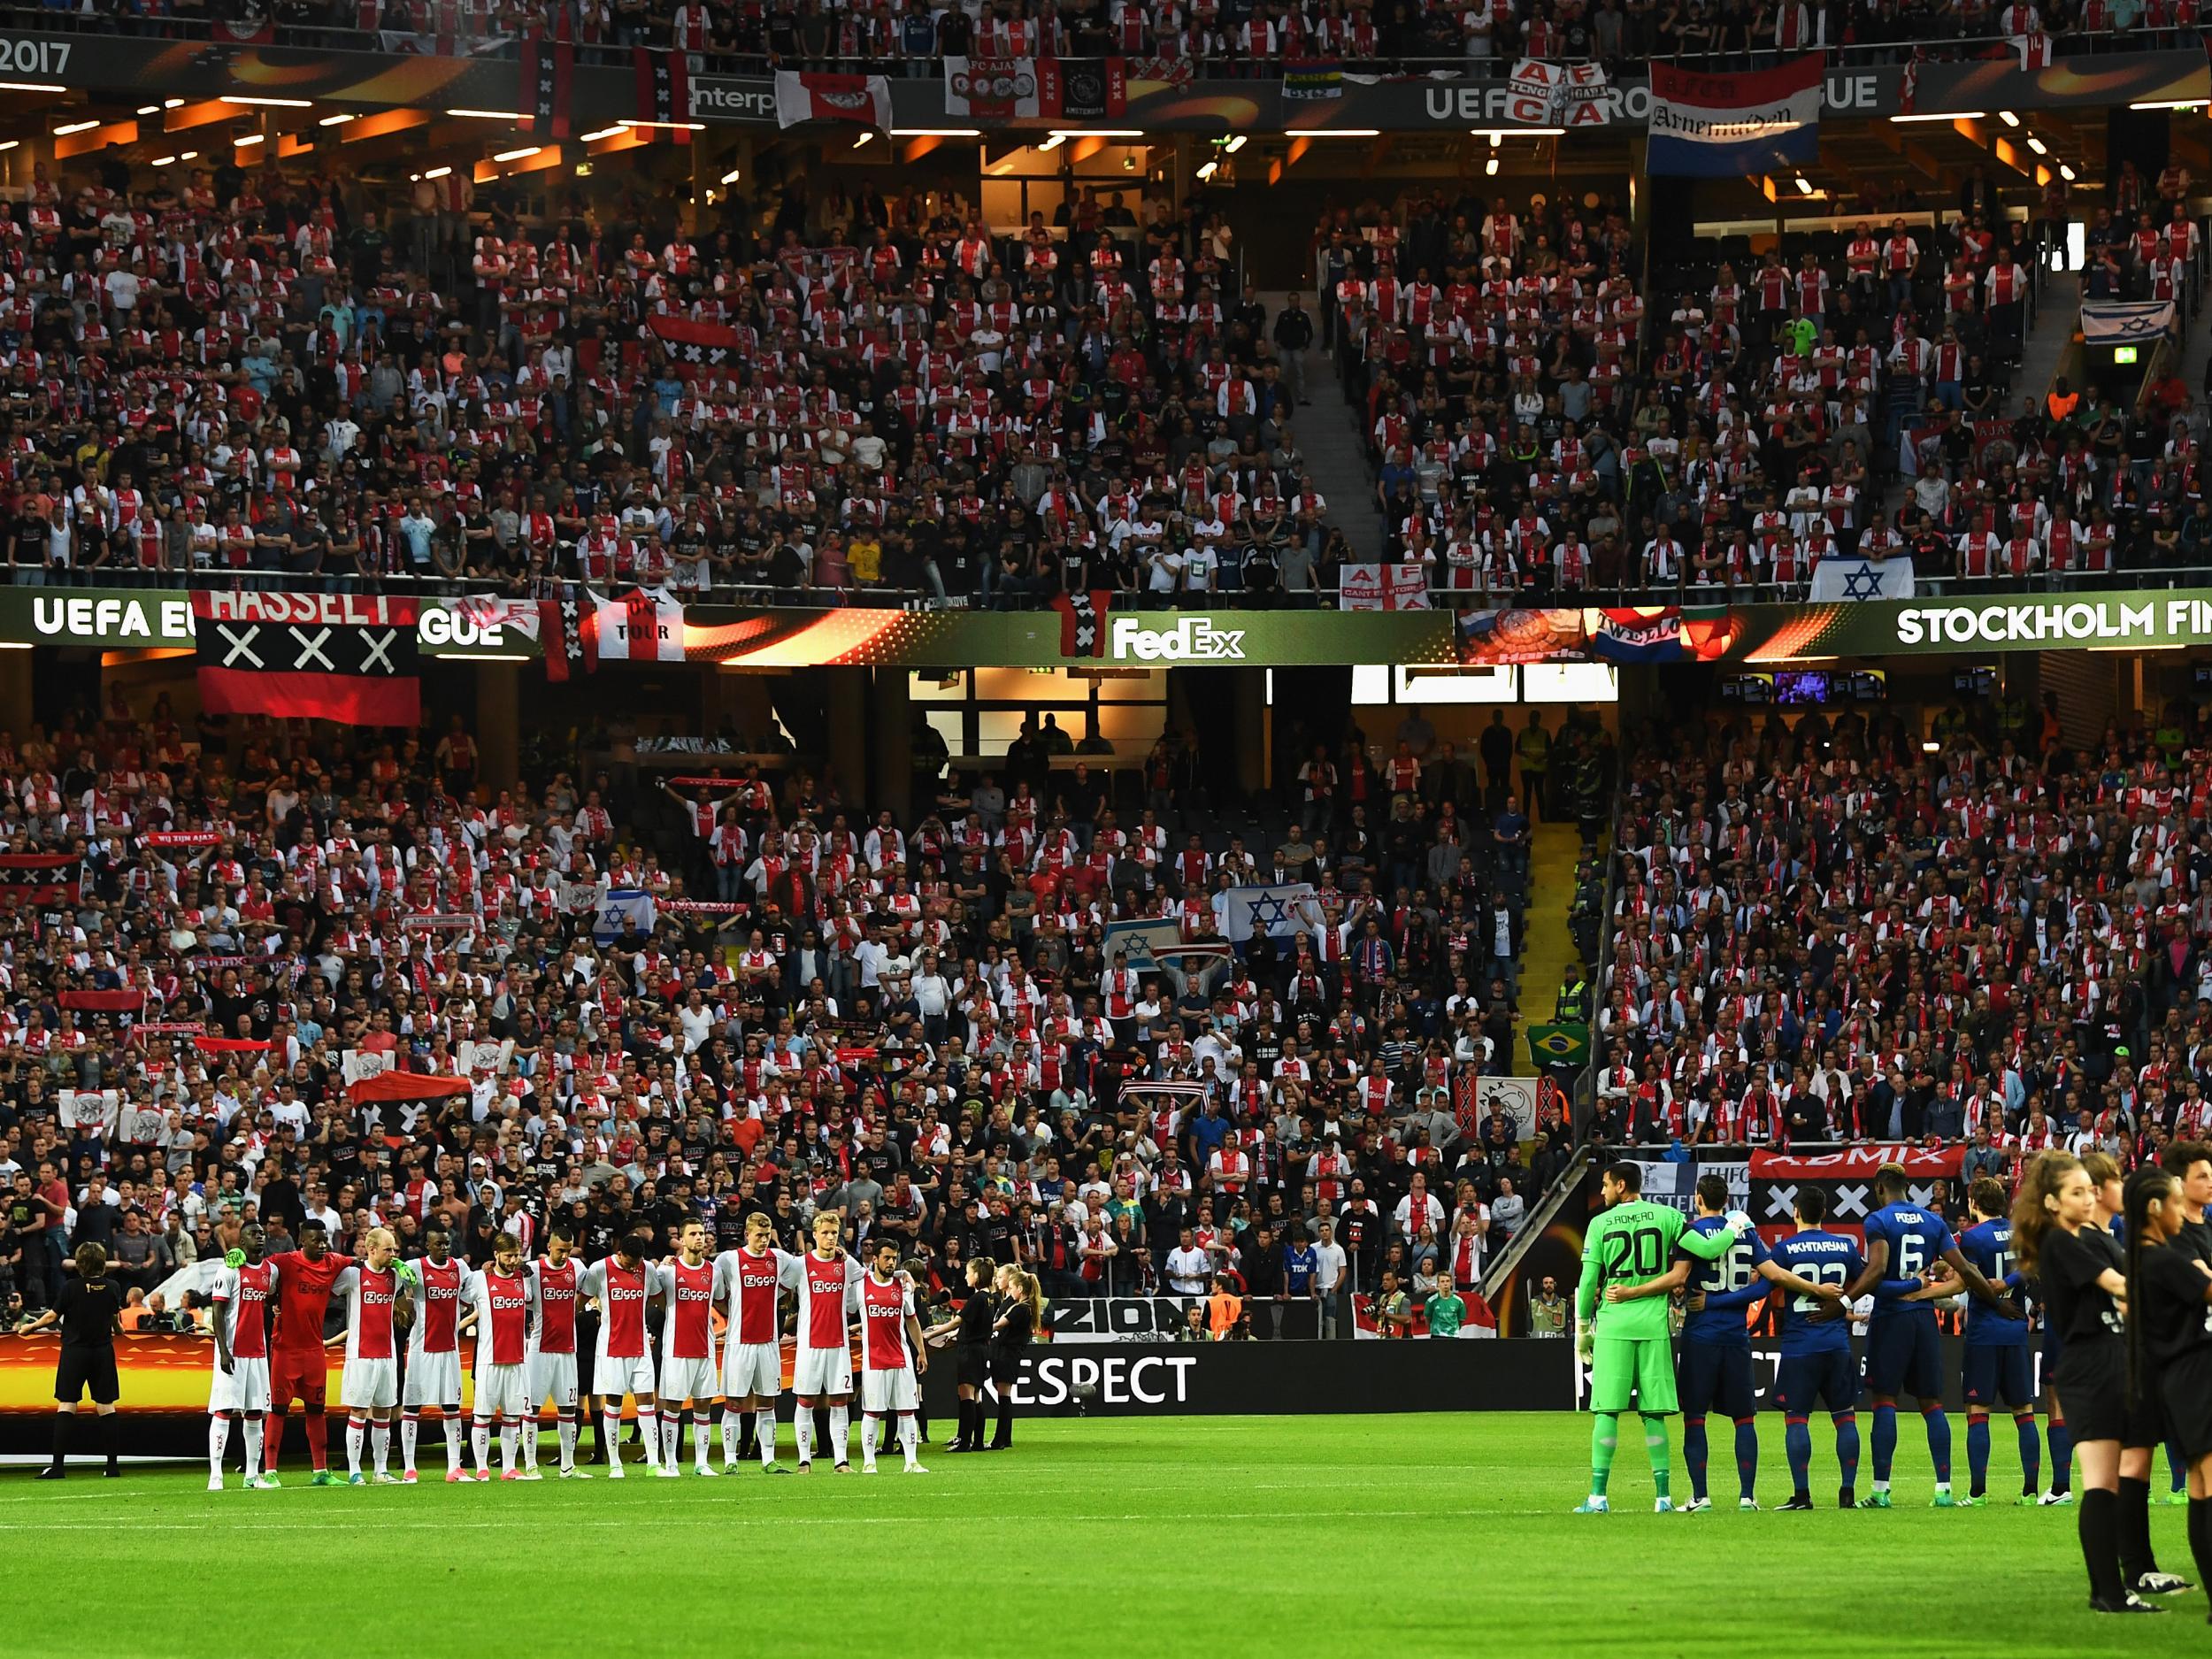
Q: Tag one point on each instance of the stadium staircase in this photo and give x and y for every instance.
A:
(1334, 436)
(1500, 1272)
(1548, 947)
(2057, 315)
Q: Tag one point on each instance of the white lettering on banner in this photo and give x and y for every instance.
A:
(34, 58)
(441, 625)
(113, 619)
(710, 97)
(1194, 639)
(353, 609)
(2036, 624)
(1498, 103)
(1054, 1379)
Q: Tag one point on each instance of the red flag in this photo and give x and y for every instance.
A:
(103, 1001)
(405, 1085)
(810, 97)
(351, 658)
(664, 91)
(547, 73)
(1083, 622)
(690, 342)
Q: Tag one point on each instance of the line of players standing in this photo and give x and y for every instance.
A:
(531, 1324)
(2124, 1273)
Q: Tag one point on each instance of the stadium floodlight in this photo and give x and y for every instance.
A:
(524, 154)
(75, 126)
(274, 103)
(1941, 115)
(248, 140)
(486, 115)
(2008, 118)
(336, 120)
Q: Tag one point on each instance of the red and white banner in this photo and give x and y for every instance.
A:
(640, 627)
(328, 656)
(664, 91)
(804, 96)
(1847, 1178)
(690, 342)
(1383, 587)
(1037, 89)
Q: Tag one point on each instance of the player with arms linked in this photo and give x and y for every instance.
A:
(1816, 1367)
(1998, 1371)
(1625, 1337)
(1904, 1242)
(1715, 1367)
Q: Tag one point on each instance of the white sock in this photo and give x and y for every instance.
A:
(701, 1437)
(528, 1427)
(355, 1430)
(765, 1431)
(610, 1436)
(840, 1434)
(568, 1440)
(909, 1437)
(729, 1435)
(218, 1439)
(409, 1427)
(380, 1443)
(673, 1437)
(253, 1446)
(871, 1427)
(508, 1432)
(451, 1425)
(480, 1436)
(802, 1424)
(649, 1429)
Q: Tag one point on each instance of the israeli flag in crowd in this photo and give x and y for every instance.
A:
(1837, 579)
(618, 906)
(1281, 910)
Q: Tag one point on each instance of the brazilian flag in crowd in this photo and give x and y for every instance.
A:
(1562, 1044)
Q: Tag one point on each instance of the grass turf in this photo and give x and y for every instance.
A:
(1397, 1534)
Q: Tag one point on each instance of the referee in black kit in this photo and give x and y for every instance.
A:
(89, 1308)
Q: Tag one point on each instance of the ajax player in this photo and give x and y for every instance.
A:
(241, 1385)
(434, 1352)
(376, 1300)
(747, 1283)
(622, 1284)
(503, 1306)
(556, 1285)
(891, 1356)
(686, 1287)
(823, 1373)
(299, 1366)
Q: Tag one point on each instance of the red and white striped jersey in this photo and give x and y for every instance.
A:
(370, 1295)
(621, 1293)
(750, 1284)
(242, 1295)
(821, 1286)
(687, 1293)
(883, 1307)
(440, 1291)
(556, 1290)
(505, 1308)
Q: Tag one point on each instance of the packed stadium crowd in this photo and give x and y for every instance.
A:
(1238, 38)
(269, 377)
(211, 936)
(1540, 423)
(1830, 931)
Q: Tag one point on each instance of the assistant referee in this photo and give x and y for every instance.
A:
(89, 1308)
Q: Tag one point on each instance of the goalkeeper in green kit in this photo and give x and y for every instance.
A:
(1626, 1340)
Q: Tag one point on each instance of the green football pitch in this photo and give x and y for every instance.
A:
(1373, 1534)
